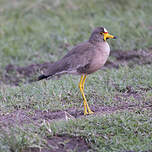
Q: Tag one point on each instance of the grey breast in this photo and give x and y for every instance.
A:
(101, 55)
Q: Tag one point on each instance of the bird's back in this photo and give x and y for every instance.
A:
(79, 56)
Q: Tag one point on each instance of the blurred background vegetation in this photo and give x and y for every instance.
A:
(36, 31)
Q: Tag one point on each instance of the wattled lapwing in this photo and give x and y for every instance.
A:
(84, 59)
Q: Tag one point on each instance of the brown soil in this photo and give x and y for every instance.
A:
(130, 58)
(14, 75)
(63, 143)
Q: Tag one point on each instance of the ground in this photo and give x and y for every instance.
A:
(47, 116)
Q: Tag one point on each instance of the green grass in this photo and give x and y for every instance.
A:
(35, 32)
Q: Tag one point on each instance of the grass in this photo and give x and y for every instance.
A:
(35, 32)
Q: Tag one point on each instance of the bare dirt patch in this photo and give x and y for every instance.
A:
(14, 75)
(67, 143)
(130, 58)
(63, 143)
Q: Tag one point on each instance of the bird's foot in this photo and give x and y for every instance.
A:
(89, 112)
(86, 112)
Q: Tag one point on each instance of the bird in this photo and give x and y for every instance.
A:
(83, 59)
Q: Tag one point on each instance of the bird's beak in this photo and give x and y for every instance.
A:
(107, 36)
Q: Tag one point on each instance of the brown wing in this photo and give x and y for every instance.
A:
(74, 61)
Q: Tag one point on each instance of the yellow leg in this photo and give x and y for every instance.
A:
(83, 81)
(81, 90)
(87, 110)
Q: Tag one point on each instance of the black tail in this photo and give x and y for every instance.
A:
(42, 77)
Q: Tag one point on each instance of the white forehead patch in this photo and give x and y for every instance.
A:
(105, 30)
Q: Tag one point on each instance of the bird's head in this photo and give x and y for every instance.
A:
(100, 34)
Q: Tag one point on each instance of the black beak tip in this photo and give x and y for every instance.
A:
(115, 37)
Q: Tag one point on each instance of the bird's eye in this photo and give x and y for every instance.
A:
(101, 32)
